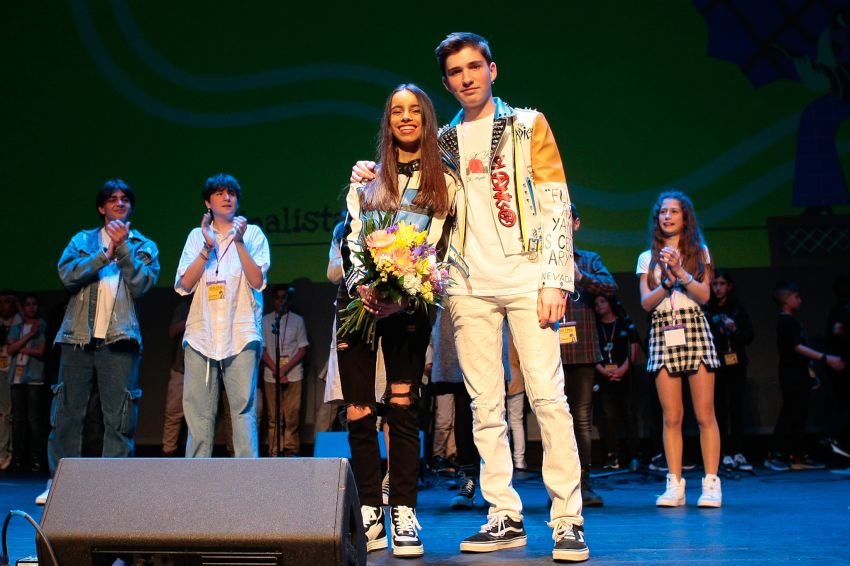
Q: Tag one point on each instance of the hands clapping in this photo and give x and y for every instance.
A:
(118, 232)
(240, 224)
(671, 261)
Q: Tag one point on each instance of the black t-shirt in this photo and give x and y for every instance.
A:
(619, 334)
(789, 334)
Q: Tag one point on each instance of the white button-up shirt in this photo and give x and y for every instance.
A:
(221, 328)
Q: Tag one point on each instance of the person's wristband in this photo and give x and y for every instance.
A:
(665, 283)
(689, 281)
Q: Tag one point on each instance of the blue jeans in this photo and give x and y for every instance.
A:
(116, 368)
(238, 374)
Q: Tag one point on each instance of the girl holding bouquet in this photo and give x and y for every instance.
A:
(411, 196)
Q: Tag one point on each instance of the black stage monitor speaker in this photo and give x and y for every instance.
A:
(193, 512)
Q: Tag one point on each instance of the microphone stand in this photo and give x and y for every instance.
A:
(276, 333)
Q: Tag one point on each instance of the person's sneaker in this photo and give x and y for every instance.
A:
(728, 462)
(404, 529)
(836, 448)
(42, 497)
(385, 488)
(465, 498)
(674, 495)
(688, 466)
(658, 463)
(501, 531)
(712, 496)
(742, 464)
(612, 462)
(569, 541)
(373, 526)
(805, 463)
(775, 462)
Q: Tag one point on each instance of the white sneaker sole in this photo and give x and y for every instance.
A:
(493, 546)
(708, 504)
(409, 551)
(571, 555)
(670, 502)
(377, 544)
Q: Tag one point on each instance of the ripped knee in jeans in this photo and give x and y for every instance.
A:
(401, 394)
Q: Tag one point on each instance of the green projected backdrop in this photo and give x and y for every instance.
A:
(286, 98)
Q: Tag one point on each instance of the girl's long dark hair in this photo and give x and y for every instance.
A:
(691, 242)
(383, 192)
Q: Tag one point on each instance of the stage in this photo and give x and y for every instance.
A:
(766, 518)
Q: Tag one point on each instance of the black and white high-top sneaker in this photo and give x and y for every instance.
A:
(373, 526)
(500, 532)
(405, 532)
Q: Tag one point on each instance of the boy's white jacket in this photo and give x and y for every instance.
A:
(539, 188)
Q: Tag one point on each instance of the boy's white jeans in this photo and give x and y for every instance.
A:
(478, 335)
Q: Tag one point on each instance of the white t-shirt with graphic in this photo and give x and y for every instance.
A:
(491, 273)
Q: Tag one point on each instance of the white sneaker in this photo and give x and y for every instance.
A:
(373, 527)
(674, 495)
(712, 496)
(42, 498)
(728, 462)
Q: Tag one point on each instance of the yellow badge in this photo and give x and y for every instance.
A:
(567, 333)
(730, 359)
(611, 367)
(215, 290)
(284, 360)
(4, 362)
(19, 373)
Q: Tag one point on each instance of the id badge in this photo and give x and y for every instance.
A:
(19, 373)
(215, 290)
(567, 333)
(674, 336)
(611, 367)
(284, 360)
(4, 362)
(730, 359)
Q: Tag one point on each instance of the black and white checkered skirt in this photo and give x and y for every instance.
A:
(699, 346)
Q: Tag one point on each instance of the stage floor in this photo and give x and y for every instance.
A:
(767, 518)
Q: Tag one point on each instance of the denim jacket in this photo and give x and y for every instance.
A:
(79, 267)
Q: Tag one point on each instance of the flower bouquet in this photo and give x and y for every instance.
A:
(397, 265)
